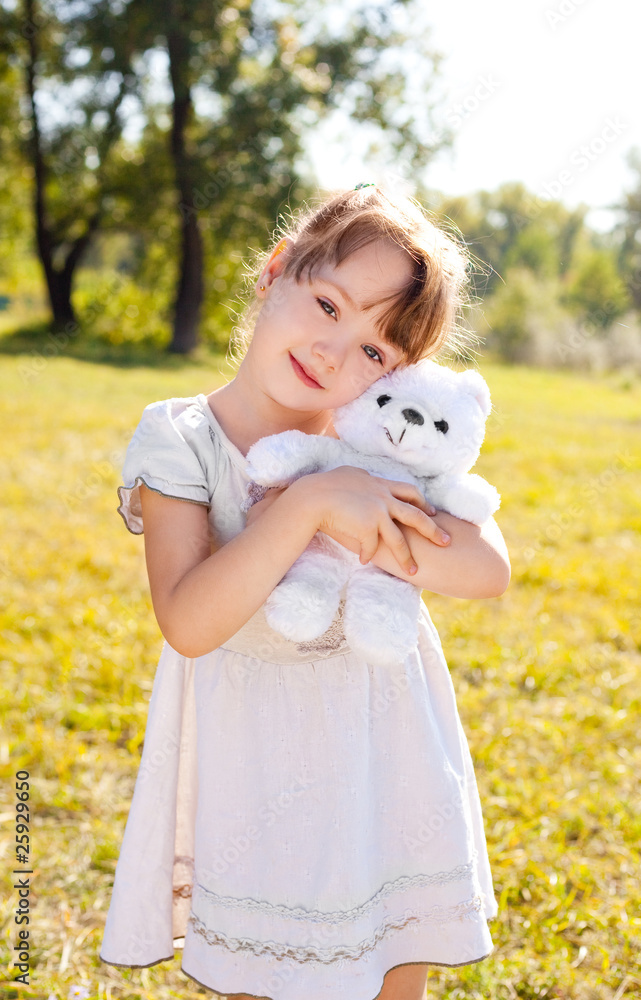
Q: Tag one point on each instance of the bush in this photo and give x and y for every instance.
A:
(118, 310)
(525, 319)
(524, 322)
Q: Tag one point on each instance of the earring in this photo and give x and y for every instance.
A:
(262, 288)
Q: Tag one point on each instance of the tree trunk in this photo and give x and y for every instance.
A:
(58, 282)
(59, 285)
(189, 293)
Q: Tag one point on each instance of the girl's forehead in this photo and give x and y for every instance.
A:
(370, 274)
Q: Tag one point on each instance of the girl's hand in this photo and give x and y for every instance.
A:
(351, 503)
(475, 565)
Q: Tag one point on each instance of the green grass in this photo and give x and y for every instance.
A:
(548, 676)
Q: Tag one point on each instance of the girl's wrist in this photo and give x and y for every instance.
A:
(306, 499)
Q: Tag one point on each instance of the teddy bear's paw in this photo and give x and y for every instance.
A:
(382, 639)
(383, 632)
(470, 498)
(279, 459)
(382, 650)
(299, 611)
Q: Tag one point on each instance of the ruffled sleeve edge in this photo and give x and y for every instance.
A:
(129, 497)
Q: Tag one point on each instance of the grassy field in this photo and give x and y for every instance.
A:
(548, 676)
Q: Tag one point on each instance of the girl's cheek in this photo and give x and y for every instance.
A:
(359, 381)
(369, 373)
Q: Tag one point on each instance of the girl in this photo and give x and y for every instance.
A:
(308, 823)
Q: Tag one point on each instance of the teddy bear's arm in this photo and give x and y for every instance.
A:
(466, 496)
(280, 459)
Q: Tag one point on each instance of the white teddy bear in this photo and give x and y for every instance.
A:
(423, 424)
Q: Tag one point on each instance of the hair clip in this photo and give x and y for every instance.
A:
(369, 184)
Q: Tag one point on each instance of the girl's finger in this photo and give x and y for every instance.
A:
(397, 544)
(414, 518)
(369, 545)
(409, 494)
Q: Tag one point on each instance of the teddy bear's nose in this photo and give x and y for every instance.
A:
(413, 417)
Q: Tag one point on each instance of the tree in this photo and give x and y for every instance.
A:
(535, 248)
(71, 118)
(14, 185)
(246, 84)
(596, 291)
(510, 227)
(629, 232)
(248, 79)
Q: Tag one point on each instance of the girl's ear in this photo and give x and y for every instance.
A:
(272, 268)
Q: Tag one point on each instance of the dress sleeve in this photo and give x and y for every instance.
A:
(164, 455)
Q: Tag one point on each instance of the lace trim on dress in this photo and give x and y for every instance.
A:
(255, 493)
(401, 884)
(331, 641)
(257, 639)
(339, 953)
(129, 508)
(183, 876)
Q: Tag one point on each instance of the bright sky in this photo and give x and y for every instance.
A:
(546, 92)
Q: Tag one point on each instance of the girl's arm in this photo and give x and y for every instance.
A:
(201, 598)
(475, 564)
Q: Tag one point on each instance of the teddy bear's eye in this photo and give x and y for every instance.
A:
(382, 400)
(442, 426)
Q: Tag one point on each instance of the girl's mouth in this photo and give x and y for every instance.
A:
(303, 375)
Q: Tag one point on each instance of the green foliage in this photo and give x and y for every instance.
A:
(536, 249)
(16, 224)
(119, 310)
(547, 676)
(595, 290)
(522, 310)
(629, 233)
(90, 86)
(247, 80)
(258, 78)
(509, 227)
(554, 292)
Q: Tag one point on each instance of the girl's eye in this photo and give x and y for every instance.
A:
(327, 307)
(372, 353)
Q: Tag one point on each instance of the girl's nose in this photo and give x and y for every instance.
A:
(330, 352)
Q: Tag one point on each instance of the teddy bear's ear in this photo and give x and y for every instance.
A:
(474, 383)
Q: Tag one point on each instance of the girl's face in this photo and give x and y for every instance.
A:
(315, 346)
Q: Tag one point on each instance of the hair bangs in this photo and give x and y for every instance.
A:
(420, 319)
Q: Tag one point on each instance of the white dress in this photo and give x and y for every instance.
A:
(305, 820)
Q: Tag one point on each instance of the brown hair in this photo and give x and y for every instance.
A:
(422, 318)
